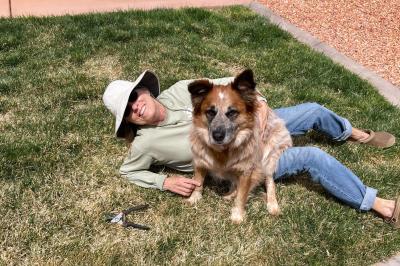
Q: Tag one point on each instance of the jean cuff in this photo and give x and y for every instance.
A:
(346, 132)
(369, 199)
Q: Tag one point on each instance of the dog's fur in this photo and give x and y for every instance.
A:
(236, 136)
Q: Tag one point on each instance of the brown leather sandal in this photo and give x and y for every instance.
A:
(379, 139)
(395, 219)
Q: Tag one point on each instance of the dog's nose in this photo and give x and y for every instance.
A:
(218, 134)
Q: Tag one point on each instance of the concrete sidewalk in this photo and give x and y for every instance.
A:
(15, 8)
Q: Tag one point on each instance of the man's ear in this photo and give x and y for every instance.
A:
(199, 90)
(244, 81)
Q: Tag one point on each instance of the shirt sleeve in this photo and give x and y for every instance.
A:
(136, 167)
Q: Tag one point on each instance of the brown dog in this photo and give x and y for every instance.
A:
(236, 136)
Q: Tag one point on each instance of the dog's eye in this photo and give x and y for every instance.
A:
(232, 114)
(211, 113)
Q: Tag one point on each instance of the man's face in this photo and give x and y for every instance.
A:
(142, 111)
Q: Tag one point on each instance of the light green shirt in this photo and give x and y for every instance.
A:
(166, 144)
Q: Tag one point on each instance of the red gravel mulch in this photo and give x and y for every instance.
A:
(366, 31)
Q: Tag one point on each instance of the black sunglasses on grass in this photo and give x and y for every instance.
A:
(132, 98)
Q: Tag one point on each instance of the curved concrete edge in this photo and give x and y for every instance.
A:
(384, 87)
(394, 261)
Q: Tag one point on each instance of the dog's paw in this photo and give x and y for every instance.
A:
(194, 198)
(272, 205)
(273, 209)
(237, 215)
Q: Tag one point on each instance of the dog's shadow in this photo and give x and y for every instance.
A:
(313, 138)
(220, 187)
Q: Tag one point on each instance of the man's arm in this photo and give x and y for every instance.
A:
(136, 166)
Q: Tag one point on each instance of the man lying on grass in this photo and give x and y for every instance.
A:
(156, 126)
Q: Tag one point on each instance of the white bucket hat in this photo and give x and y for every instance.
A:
(117, 93)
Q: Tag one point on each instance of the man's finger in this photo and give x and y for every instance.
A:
(192, 181)
(179, 191)
(187, 185)
(185, 190)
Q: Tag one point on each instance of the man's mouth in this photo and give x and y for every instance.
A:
(142, 110)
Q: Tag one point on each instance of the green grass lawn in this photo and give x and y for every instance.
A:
(59, 160)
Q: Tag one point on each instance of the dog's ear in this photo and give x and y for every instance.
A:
(244, 81)
(198, 90)
(246, 86)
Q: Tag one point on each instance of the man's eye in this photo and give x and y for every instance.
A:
(211, 113)
(133, 96)
(232, 113)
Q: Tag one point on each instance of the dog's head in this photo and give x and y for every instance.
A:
(225, 114)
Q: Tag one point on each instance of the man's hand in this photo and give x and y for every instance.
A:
(180, 185)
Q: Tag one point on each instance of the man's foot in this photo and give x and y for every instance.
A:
(385, 208)
(379, 139)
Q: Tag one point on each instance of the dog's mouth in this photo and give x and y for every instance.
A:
(219, 145)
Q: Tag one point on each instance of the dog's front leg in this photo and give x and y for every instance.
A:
(199, 175)
(238, 210)
(270, 197)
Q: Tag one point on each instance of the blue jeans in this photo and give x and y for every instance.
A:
(323, 168)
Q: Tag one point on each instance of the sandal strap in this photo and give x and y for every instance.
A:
(394, 220)
(396, 212)
(371, 136)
